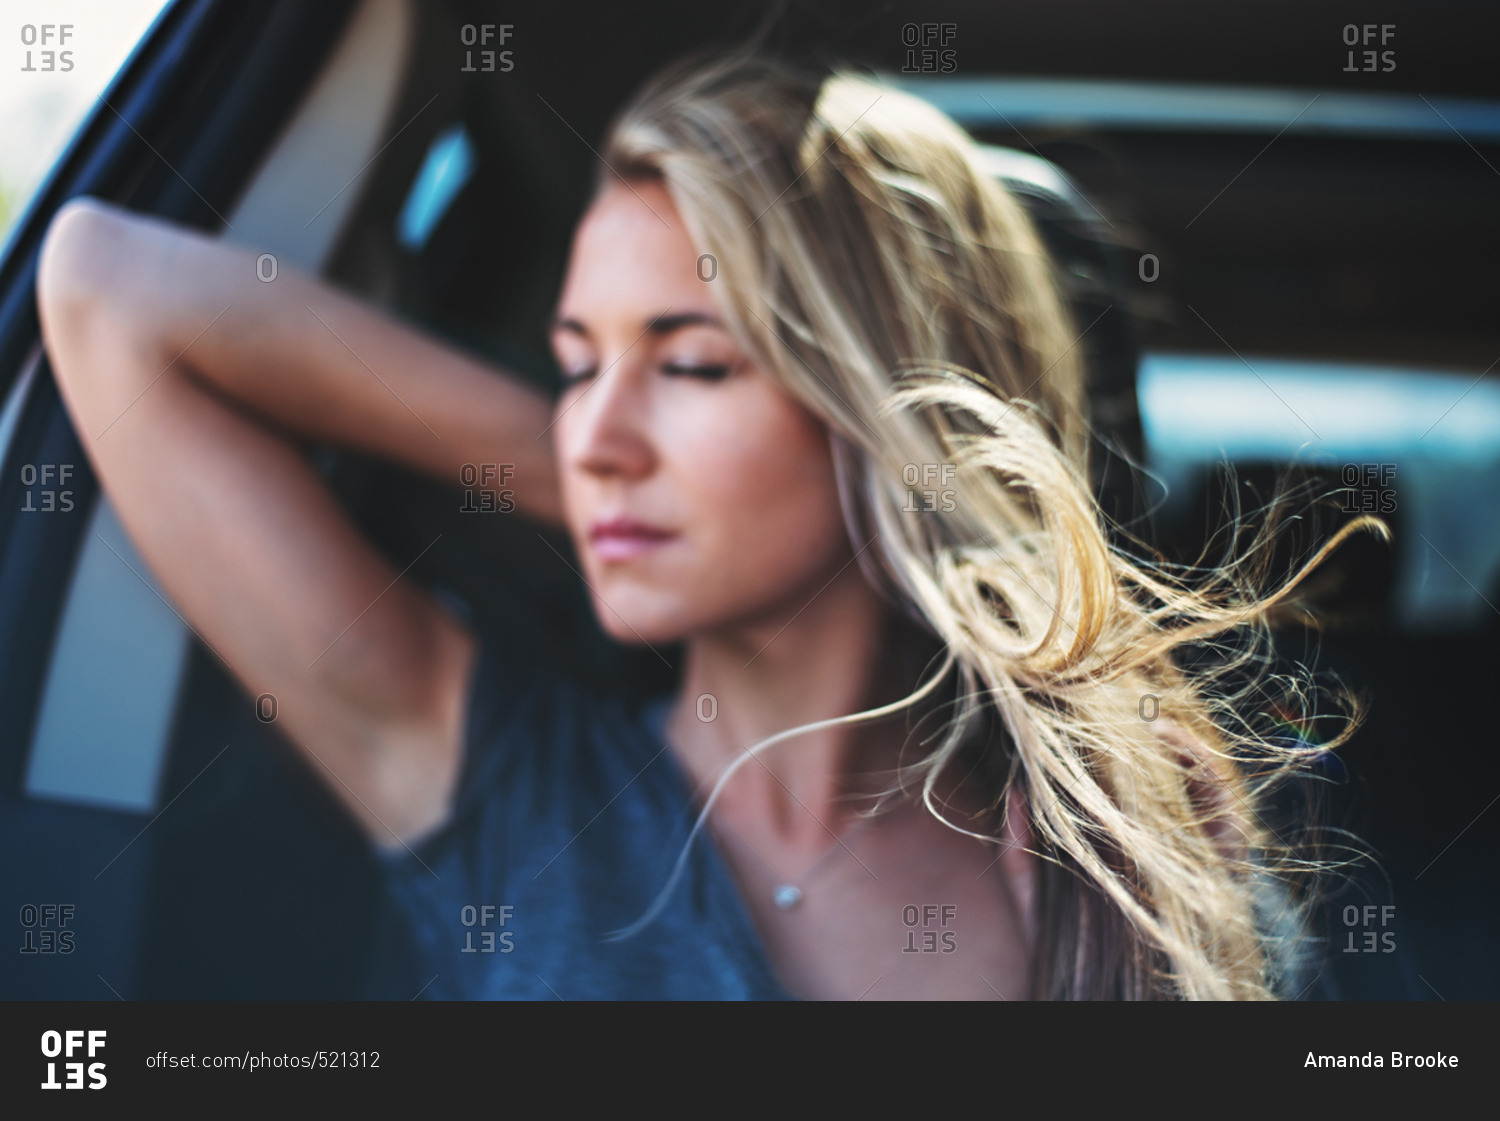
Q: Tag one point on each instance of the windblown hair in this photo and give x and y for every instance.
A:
(868, 262)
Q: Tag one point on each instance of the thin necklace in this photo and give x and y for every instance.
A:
(789, 893)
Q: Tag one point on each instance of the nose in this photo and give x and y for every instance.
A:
(603, 431)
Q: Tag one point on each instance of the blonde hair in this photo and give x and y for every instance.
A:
(867, 261)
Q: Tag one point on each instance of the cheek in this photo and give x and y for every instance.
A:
(765, 498)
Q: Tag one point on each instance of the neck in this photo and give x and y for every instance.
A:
(843, 653)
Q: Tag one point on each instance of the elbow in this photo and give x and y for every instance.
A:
(74, 263)
(78, 288)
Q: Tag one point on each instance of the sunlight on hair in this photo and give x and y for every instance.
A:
(868, 262)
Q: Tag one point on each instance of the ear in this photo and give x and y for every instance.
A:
(1210, 778)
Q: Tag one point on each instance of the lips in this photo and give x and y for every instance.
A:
(622, 538)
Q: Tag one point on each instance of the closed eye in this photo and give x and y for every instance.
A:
(706, 372)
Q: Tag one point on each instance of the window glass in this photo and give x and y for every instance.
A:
(57, 58)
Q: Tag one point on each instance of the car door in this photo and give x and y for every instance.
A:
(160, 842)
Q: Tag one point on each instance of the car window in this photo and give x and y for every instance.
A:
(1420, 444)
(59, 57)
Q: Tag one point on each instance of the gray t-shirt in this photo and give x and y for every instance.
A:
(569, 818)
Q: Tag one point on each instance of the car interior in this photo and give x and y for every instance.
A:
(366, 140)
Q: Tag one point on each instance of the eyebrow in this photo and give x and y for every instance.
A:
(659, 325)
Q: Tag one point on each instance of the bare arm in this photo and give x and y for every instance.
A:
(179, 413)
(313, 360)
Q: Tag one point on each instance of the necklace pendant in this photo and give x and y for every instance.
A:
(788, 896)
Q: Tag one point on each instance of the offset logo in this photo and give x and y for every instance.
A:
(44, 928)
(48, 33)
(65, 1045)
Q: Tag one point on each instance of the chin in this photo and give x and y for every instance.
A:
(636, 620)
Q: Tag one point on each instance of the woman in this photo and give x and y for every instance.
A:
(938, 742)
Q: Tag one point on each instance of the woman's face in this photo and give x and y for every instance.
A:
(698, 493)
